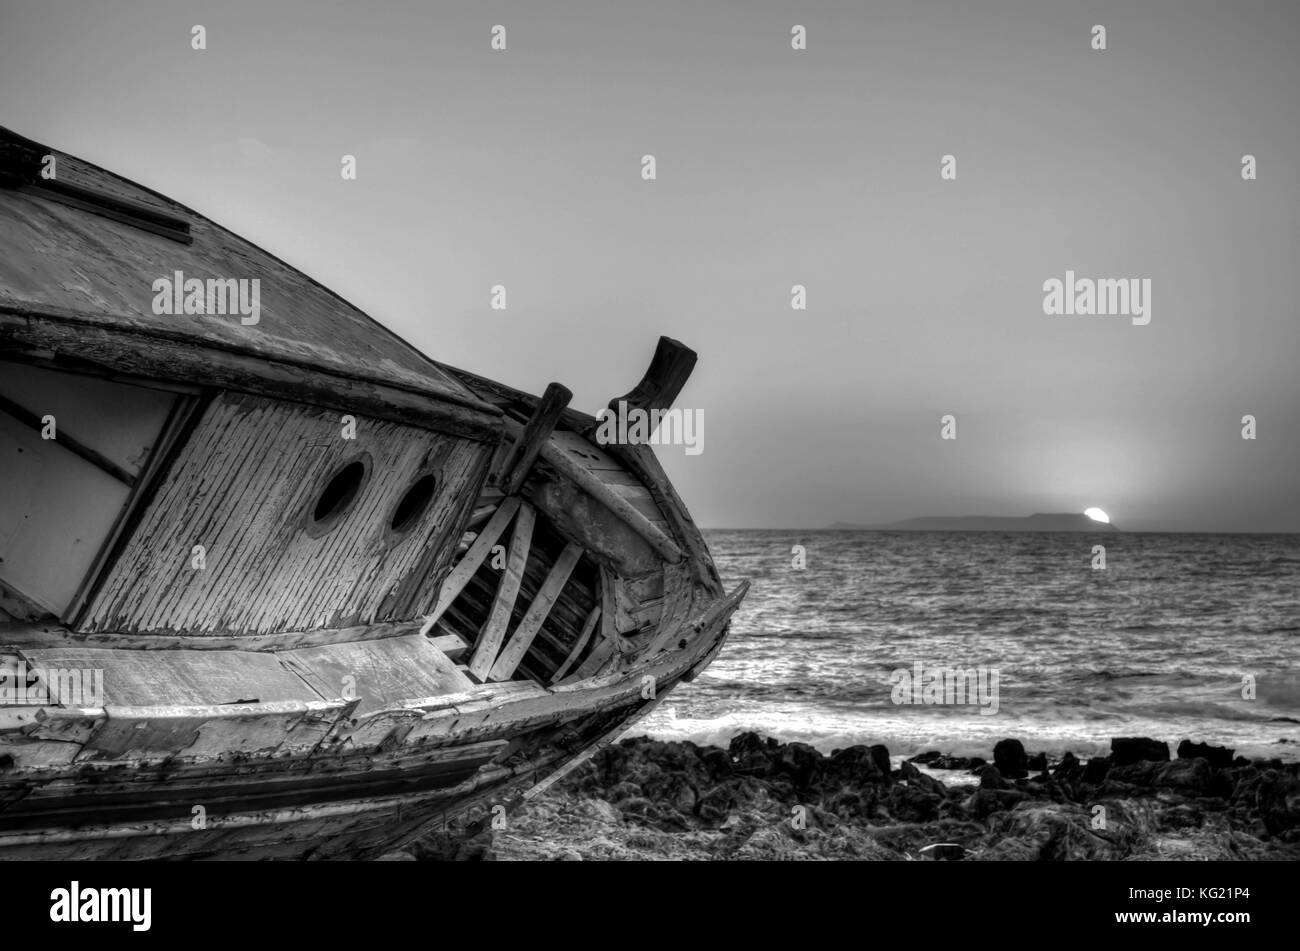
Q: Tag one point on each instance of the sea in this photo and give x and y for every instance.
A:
(1178, 636)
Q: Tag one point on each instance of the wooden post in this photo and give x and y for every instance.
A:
(524, 453)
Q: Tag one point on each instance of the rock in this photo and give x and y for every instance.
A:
(569, 855)
(909, 803)
(1096, 770)
(1141, 773)
(921, 781)
(1126, 750)
(1038, 763)
(643, 798)
(1068, 764)
(1049, 833)
(856, 766)
(984, 801)
(625, 790)
(749, 742)
(952, 762)
(1219, 757)
(717, 762)
(1278, 797)
(1010, 759)
(680, 794)
(798, 761)
(1190, 776)
(880, 754)
(990, 778)
(396, 857)
(926, 759)
(602, 811)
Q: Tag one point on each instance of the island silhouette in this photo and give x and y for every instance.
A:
(1038, 522)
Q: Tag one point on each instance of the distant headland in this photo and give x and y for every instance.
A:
(1038, 522)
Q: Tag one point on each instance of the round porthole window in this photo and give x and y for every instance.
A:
(338, 496)
(412, 504)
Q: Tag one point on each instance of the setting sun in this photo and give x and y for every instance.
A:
(1096, 514)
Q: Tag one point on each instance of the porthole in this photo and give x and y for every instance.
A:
(412, 505)
(338, 496)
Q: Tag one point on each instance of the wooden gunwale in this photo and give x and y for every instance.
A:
(124, 344)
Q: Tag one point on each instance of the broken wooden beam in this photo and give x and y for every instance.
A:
(519, 460)
(503, 605)
(532, 621)
(589, 483)
(465, 568)
(578, 646)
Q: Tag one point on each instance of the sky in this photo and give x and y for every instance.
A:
(774, 167)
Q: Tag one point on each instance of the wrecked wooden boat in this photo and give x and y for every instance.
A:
(273, 584)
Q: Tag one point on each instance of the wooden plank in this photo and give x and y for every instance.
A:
(590, 484)
(178, 677)
(380, 673)
(532, 621)
(641, 461)
(464, 570)
(243, 486)
(519, 462)
(452, 644)
(117, 342)
(578, 646)
(40, 635)
(597, 659)
(494, 630)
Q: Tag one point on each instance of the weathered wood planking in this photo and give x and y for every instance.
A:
(465, 568)
(489, 639)
(522, 638)
(55, 256)
(588, 627)
(162, 678)
(244, 487)
(380, 673)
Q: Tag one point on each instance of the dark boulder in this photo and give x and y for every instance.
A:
(716, 762)
(856, 766)
(921, 781)
(990, 778)
(1010, 759)
(1126, 750)
(880, 756)
(798, 762)
(1190, 776)
(1096, 770)
(1219, 757)
(1066, 767)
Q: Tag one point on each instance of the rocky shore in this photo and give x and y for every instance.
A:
(760, 799)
